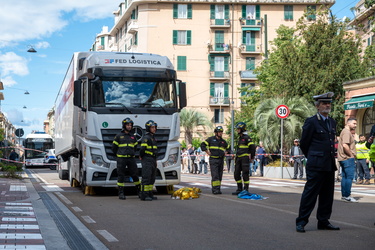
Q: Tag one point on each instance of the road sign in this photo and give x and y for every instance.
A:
(282, 111)
(19, 132)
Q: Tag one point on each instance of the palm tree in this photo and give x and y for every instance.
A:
(268, 124)
(190, 119)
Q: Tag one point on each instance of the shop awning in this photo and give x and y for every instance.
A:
(251, 29)
(360, 102)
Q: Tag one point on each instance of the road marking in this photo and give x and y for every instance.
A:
(18, 219)
(77, 209)
(18, 213)
(109, 237)
(62, 197)
(33, 247)
(16, 188)
(53, 188)
(88, 219)
(17, 204)
(18, 208)
(21, 236)
(18, 226)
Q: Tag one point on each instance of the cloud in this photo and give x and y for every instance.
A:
(12, 64)
(16, 117)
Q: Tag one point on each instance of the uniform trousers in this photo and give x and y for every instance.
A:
(242, 165)
(129, 163)
(216, 166)
(148, 171)
(320, 185)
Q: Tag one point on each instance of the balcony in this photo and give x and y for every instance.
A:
(250, 49)
(132, 26)
(220, 23)
(219, 101)
(219, 75)
(248, 75)
(219, 48)
(250, 22)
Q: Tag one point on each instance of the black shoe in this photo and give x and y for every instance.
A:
(294, 178)
(216, 192)
(329, 226)
(300, 229)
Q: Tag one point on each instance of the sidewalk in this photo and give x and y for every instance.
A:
(32, 220)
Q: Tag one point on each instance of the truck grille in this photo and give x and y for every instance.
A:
(161, 137)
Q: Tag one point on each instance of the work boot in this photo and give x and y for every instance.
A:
(138, 190)
(121, 194)
(239, 189)
(151, 194)
(359, 181)
(367, 182)
(246, 187)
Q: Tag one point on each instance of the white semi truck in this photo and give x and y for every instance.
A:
(99, 90)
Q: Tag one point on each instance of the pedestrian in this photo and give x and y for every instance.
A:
(363, 160)
(13, 156)
(296, 158)
(371, 145)
(317, 143)
(148, 154)
(185, 160)
(228, 161)
(202, 162)
(216, 147)
(193, 160)
(262, 157)
(124, 146)
(346, 156)
(245, 152)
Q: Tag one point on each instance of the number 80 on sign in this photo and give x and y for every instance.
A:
(282, 111)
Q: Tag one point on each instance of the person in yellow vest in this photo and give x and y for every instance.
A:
(362, 161)
(371, 145)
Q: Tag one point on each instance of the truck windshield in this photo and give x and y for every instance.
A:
(134, 94)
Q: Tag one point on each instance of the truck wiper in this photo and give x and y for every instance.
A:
(153, 103)
(120, 104)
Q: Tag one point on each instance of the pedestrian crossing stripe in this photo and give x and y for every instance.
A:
(18, 219)
(18, 226)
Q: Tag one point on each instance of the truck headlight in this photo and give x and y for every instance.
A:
(172, 160)
(97, 159)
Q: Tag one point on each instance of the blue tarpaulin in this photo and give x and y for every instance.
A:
(246, 195)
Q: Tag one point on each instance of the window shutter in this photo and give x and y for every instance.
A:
(226, 63)
(226, 11)
(212, 16)
(190, 11)
(226, 90)
(181, 62)
(212, 89)
(257, 12)
(175, 36)
(188, 38)
(252, 37)
(175, 10)
(212, 63)
(102, 41)
(244, 37)
(250, 63)
(243, 11)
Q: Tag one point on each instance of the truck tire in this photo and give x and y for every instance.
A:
(63, 174)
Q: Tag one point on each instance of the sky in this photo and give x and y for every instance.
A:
(56, 29)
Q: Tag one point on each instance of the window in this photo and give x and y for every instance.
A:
(219, 116)
(182, 11)
(219, 13)
(102, 41)
(288, 12)
(248, 38)
(136, 38)
(219, 65)
(311, 10)
(134, 14)
(219, 93)
(250, 63)
(251, 12)
(182, 37)
(181, 62)
(219, 40)
(246, 86)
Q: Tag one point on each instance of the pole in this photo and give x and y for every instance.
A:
(281, 150)
(232, 82)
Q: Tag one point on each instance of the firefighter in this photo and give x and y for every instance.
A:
(215, 146)
(124, 146)
(148, 155)
(244, 154)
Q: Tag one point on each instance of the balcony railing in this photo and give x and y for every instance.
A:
(219, 101)
(133, 26)
(219, 48)
(219, 74)
(248, 74)
(250, 49)
(250, 22)
(220, 23)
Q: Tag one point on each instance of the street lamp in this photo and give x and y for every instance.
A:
(31, 49)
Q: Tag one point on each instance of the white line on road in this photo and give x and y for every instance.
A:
(62, 197)
(88, 219)
(77, 209)
(18, 219)
(18, 226)
(21, 236)
(53, 188)
(109, 237)
(33, 247)
(18, 188)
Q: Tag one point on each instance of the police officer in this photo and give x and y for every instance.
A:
(124, 146)
(215, 146)
(148, 155)
(244, 153)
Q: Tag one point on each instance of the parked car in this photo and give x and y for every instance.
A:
(50, 159)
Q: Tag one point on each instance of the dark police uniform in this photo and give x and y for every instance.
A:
(318, 145)
(124, 146)
(245, 149)
(148, 154)
(217, 147)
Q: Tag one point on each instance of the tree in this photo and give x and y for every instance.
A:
(190, 119)
(268, 124)
(313, 58)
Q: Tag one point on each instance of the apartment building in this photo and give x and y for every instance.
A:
(214, 44)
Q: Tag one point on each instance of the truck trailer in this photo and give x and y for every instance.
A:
(99, 90)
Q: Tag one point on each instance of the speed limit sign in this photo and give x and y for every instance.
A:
(282, 111)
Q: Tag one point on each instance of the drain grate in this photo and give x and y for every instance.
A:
(72, 235)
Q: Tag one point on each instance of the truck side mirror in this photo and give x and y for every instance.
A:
(77, 93)
(182, 94)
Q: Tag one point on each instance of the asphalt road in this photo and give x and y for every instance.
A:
(217, 221)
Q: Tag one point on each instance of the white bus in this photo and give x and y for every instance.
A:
(101, 89)
(36, 146)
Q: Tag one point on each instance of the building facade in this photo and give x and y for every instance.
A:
(214, 44)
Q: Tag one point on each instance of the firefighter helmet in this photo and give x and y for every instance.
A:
(126, 121)
(242, 126)
(149, 124)
(219, 129)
